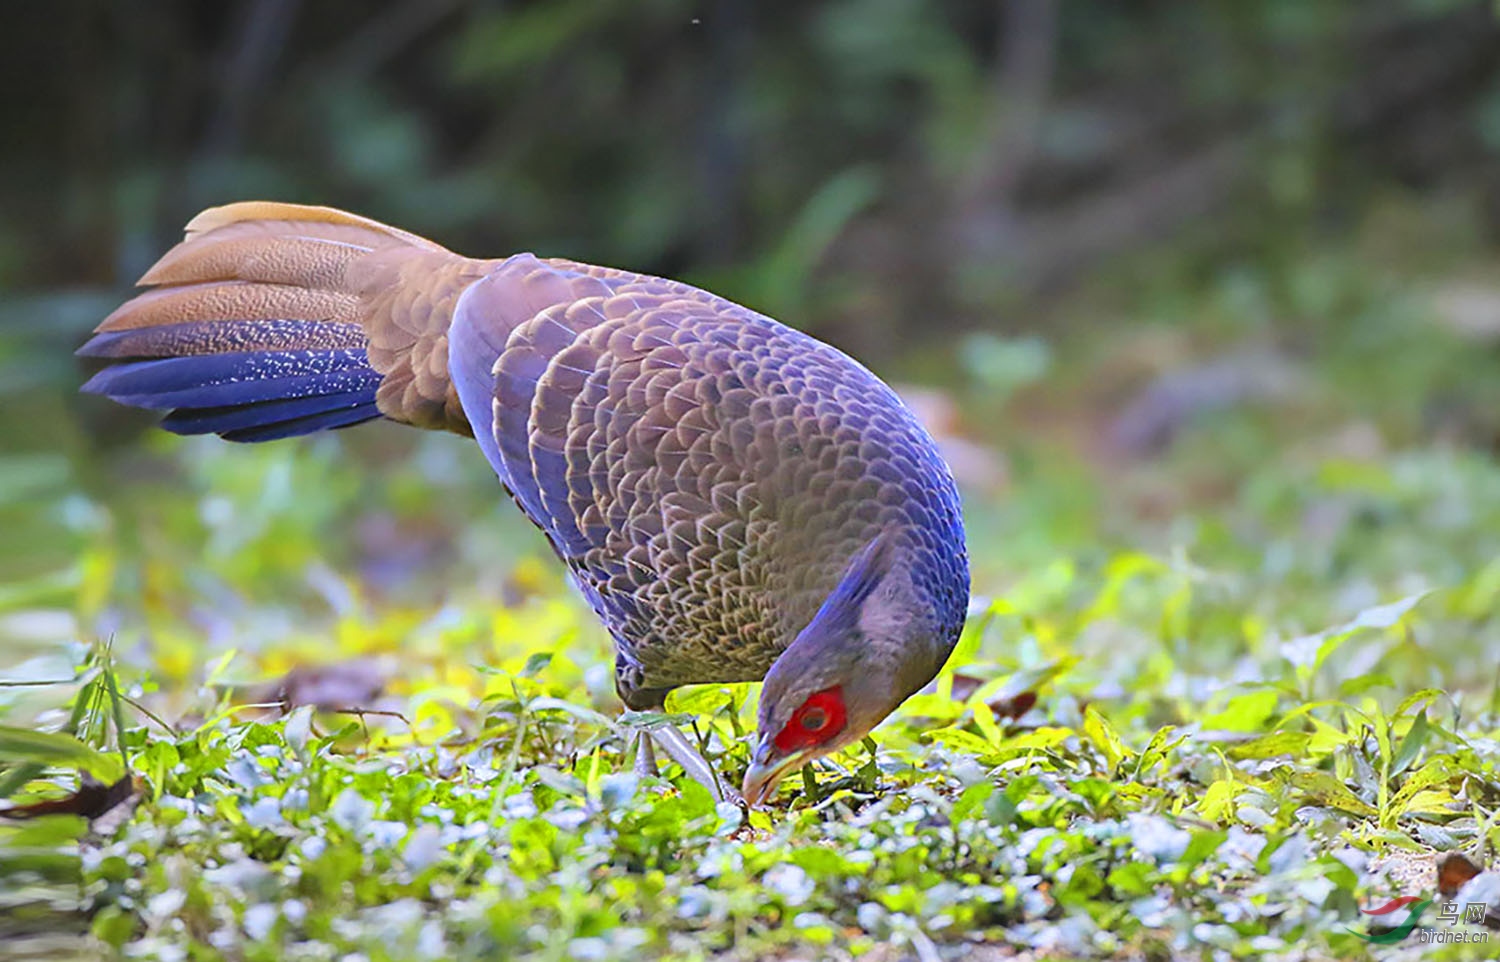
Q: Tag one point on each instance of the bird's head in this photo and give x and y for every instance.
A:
(870, 646)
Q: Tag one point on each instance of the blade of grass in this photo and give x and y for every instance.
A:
(55, 748)
(13, 780)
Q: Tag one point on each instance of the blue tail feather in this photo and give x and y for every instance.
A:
(255, 395)
(221, 420)
(326, 421)
(163, 377)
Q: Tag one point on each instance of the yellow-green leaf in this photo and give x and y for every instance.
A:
(1324, 789)
(1218, 802)
(1269, 746)
(1105, 738)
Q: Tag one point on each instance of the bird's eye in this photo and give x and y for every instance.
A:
(815, 722)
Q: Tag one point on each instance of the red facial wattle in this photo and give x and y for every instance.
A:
(816, 720)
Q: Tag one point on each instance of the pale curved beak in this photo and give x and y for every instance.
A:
(765, 772)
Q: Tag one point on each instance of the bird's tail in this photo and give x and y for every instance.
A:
(272, 320)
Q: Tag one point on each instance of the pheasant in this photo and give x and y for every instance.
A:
(736, 500)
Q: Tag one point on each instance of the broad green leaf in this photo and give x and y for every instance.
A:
(1132, 880)
(984, 718)
(1025, 680)
(1429, 802)
(964, 741)
(1411, 744)
(1269, 746)
(583, 713)
(1325, 789)
(1375, 617)
(698, 700)
(1121, 570)
(1246, 712)
(1040, 739)
(1326, 739)
(972, 799)
(1099, 731)
(1162, 742)
(934, 706)
(1416, 699)
(536, 664)
(1217, 803)
(1437, 771)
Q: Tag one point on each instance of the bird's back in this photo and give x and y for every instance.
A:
(705, 471)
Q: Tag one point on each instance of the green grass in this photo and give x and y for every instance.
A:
(1264, 666)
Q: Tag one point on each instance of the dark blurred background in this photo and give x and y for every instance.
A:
(885, 172)
(1077, 234)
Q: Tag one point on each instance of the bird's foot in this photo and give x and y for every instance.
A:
(684, 753)
(645, 757)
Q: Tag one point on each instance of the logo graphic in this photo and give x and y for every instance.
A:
(1389, 936)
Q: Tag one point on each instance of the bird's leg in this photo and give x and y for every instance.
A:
(639, 697)
(645, 757)
(686, 754)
